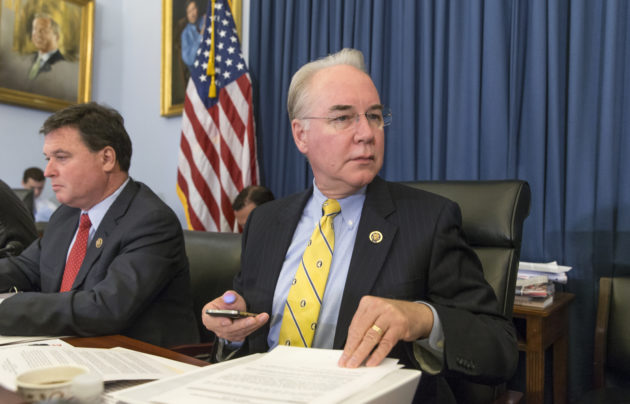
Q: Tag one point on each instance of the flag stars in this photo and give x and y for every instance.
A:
(224, 22)
(226, 75)
(230, 50)
(220, 45)
(228, 62)
(222, 33)
(233, 38)
(240, 66)
(218, 58)
(202, 78)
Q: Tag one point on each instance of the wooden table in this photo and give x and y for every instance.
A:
(544, 328)
(111, 341)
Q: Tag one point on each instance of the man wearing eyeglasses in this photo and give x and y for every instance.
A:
(402, 282)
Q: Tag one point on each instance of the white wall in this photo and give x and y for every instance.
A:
(126, 76)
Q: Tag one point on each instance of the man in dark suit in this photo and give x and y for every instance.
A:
(402, 282)
(112, 258)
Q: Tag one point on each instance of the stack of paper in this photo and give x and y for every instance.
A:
(111, 365)
(284, 375)
(535, 283)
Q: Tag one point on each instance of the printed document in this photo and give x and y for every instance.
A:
(286, 374)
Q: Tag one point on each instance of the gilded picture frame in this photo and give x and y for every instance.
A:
(46, 52)
(174, 73)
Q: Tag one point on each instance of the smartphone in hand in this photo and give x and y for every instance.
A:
(229, 313)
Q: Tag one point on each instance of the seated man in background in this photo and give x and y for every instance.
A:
(392, 277)
(17, 228)
(33, 178)
(112, 259)
(248, 199)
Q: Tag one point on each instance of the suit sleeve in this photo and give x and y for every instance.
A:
(479, 341)
(145, 254)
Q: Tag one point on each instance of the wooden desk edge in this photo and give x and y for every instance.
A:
(111, 341)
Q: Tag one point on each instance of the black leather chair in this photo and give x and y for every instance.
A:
(214, 259)
(493, 213)
(611, 358)
(26, 196)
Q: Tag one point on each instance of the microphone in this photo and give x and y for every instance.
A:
(11, 249)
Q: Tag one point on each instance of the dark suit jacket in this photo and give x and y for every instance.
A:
(423, 256)
(47, 66)
(134, 279)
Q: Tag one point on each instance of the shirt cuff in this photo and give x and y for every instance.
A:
(429, 352)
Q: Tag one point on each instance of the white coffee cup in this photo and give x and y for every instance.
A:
(48, 383)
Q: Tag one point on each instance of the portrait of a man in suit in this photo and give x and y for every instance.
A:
(45, 37)
(39, 50)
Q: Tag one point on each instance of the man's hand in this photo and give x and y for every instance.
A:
(381, 323)
(227, 328)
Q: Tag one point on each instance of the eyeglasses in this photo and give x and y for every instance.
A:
(342, 120)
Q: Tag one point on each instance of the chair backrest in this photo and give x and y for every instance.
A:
(214, 259)
(611, 364)
(26, 196)
(493, 213)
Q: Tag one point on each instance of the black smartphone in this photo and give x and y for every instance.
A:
(229, 313)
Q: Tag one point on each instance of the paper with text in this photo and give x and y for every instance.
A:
(286, 374)
(111, 364)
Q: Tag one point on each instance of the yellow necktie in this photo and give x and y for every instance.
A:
(301, 311)
(35, 68)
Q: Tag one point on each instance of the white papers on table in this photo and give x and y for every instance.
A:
(286, 374)
(551, 267)
(111, 364)
(8, 340)
(555, 273)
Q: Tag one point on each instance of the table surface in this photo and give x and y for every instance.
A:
(560, 299)
(111, 341)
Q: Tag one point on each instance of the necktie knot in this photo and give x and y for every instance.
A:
(331, 207)
(84, 222)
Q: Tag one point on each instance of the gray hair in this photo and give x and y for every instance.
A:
(299, 87)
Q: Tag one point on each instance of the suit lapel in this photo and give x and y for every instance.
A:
(368, 255)
(107, 226)
(282, 226)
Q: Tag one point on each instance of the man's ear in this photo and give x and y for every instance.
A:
(108, 155)
(300, 135)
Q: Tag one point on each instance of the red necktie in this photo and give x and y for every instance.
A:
(77, 253)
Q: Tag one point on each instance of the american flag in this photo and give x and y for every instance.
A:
(217, 156)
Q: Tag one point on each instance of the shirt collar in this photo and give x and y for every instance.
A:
(98, 211)
(351, 206)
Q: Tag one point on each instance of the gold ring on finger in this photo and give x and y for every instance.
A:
(377, 329)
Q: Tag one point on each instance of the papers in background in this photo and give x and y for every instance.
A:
(111, 364)
(286, 374)
(555, 273)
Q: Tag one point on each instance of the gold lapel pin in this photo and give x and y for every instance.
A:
(376, 237)
(99, 242)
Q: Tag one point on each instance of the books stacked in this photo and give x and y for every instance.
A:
(535, 283)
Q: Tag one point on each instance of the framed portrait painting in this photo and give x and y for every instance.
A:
(179, 19)
(46, 52)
